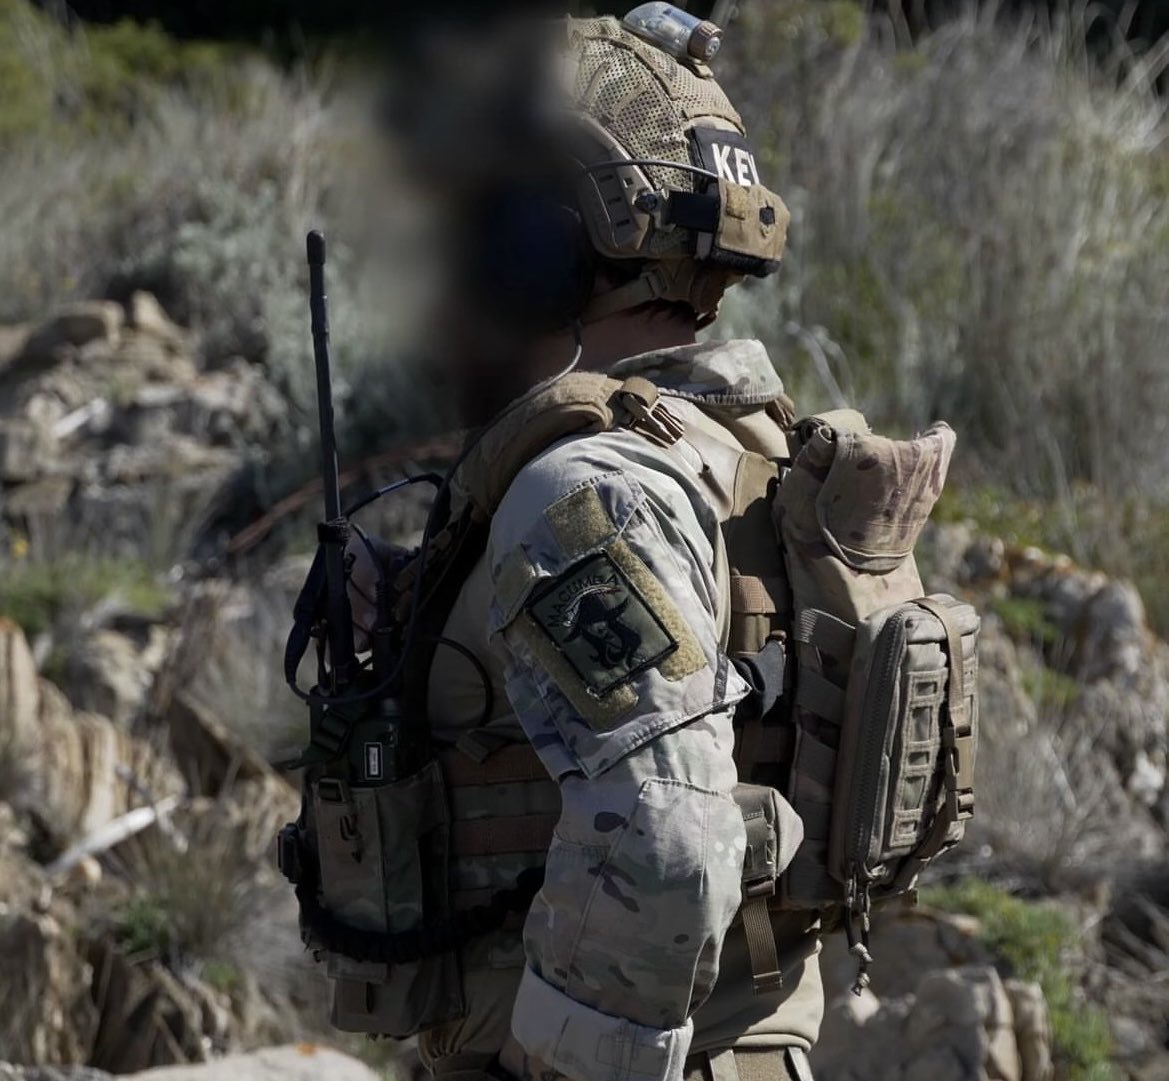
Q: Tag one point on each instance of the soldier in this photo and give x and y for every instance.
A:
(599, 612)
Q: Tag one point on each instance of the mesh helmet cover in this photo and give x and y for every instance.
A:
(636, 101)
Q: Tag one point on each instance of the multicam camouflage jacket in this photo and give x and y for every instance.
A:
(605, 596)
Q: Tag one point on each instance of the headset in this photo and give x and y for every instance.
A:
(534, 256)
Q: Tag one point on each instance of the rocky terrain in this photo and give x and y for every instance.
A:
(143, 927)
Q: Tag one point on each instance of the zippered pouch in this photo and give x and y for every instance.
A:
(905, 768)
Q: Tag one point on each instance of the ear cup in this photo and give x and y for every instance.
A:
(531, 261)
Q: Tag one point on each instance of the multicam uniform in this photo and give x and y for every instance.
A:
(598, 612)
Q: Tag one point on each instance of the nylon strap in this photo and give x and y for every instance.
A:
(748, 1064)
(497, 836)
(817, 761)
(756, 596)
(722, 1065)
(956, 691)
(646, 412)
(766, 977)
(762, 1066)
(819, 695)
(513, 764)
(824, 632)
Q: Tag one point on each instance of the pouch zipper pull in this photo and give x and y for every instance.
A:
(858, 904)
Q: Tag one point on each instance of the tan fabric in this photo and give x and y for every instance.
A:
(745, 1065)
(733, 1014)
(496, 836)
(506, 766)
(455, 690)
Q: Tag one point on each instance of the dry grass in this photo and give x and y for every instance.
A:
(197, 887)
(980, 232)
(201, 190)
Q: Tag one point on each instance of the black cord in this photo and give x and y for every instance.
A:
(481, 671)
(443, 491)
(420, 478)
(651, 163)
(365, 501)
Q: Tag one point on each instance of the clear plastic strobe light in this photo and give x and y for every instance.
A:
(677, 32)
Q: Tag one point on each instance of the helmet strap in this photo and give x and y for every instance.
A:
(681, 279)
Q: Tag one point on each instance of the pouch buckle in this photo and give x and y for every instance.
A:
(760, 887)
(652, 419)
(959, 764)
(288, 853)
(334, 790)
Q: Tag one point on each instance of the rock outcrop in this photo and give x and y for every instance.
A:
(940, 1009)
(77, 770)
(107, 424)
(297, 1062)
(72, 989)
(137, 775)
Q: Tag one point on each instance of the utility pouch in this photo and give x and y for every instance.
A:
(885, 705)
(904, 784)
(774, 833)
(383, 853)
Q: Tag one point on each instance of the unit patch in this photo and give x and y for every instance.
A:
(601, 624)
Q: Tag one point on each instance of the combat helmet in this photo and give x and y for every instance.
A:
(582, 145)
(670, 189)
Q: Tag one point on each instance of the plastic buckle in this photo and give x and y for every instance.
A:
(288, 853)
(959, 804)
(333, 790)
(762, 887)
(654, 421)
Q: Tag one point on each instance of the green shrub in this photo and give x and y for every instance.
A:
(1026, 620)
(1038, 942)
(39, 595)
(222, 975)
(70, 83)
(143, 928)
(1052, 691)
(195, 889)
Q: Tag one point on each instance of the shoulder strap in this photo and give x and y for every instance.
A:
(578, 402)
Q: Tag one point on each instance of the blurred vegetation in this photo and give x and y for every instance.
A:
(40, 595)
(980, 232)
(1038, 942)
(1121, 535)
(193, 170)
(197, 887)
(99, 81)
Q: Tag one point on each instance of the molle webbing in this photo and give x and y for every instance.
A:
(760, 613)
(494, 835)
(748, 1064)
(524, 836)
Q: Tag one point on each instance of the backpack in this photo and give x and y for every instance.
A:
(863, 714)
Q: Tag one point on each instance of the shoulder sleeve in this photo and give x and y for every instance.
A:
(606, 597)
